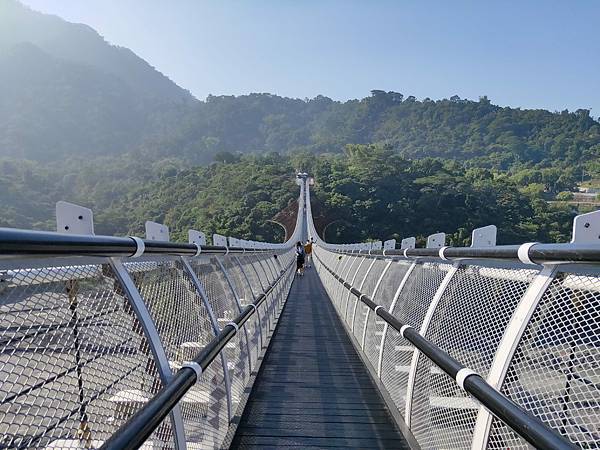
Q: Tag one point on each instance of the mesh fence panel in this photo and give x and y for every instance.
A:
(339, 288)
(411, 307)
(75, 361)
(357, 279)
(368, 288)
(246, 297)
(468, 323)
(224, 306)
(555, 372)
(184, 326)
(384, 296)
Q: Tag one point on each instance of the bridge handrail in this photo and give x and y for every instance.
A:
(529, 253)
(525, 316)
(16, 242)
(526, 425)
(134, 432)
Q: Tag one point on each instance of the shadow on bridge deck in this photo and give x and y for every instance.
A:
(313, 389)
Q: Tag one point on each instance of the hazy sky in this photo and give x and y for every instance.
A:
(519, 53)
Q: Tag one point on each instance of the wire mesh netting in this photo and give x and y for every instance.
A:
(184, 326)
(410, 308)
(555, 371)
(357, 280)
(384, 296)
(225, 308)
(244, 292)
(468, 323)
(76, 363)
(368, 288)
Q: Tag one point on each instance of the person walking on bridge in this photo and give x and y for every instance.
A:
(300, 256)
(308, 252)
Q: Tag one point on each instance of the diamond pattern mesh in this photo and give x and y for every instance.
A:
(468, 323)
(184, 326)
(357, 280)
(224, 306)
(384, 296)
(411, 307)
(75, 360)
(368, 288)
(555, 372)
(244, 292)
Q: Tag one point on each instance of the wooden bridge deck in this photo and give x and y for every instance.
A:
(313, 389)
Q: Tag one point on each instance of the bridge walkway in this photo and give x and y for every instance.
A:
(313, 390)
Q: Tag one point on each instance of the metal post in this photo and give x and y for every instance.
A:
(215, 326)
(237, 302)
(391, 310)
(508, 345)
(425, 325)
(383, 272)
(360, 288)
(154, 342)
(352, 282)
(237, 260)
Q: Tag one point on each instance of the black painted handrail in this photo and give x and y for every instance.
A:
(532, 429)
(145, 421)
(535, 252)
(15, 242)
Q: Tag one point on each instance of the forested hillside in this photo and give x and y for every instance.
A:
(478, 131)
(368, 193)
(66, 92)
(92, 123)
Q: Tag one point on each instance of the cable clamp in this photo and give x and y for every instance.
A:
(235, 326)
(253, 306)
(462, 375)
(198, 249)
(377, 307)
(523, 252)
(403, 329)
(226, 250)
(441, 253)
(195, 367)
(140, 247)
(383, 253)
(404, 253)
(360, 297)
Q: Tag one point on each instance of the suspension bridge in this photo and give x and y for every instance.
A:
(124, 342)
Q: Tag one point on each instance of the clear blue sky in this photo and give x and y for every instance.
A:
(519, 53)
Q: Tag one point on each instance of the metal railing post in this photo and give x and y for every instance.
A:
(383, 272)
(239, 305)
(362, 283)
(424, 326)
(241, 266)
(391, 311)
(154, 342)
(362, 260)
(508, 345)
(215, 326)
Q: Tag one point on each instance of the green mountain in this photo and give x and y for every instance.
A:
(85, 121)
(78, 43)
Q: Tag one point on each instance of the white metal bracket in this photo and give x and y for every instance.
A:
(74, 219)
(390, 244)
(219, 240)
(586, 228)
(196, 237)
(437, 240)
(406, 243)
(157, 231)
(484, 236)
